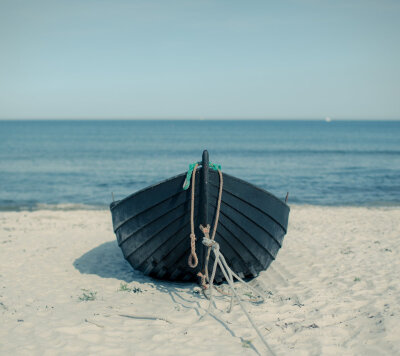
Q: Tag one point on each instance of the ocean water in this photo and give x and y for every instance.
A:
(70, 164)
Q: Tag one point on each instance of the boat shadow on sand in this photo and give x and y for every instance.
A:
(107, 261)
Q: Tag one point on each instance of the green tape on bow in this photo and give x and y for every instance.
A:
(186, 183)
(215, 167)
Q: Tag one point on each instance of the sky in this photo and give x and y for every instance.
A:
(129, 59)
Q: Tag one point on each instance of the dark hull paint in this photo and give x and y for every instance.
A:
(153, 226)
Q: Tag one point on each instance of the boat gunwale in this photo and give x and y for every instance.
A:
(114, 204)
(258, 188)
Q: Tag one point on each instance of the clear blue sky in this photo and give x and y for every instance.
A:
(199, 59)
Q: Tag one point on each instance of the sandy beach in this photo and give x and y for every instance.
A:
(66, 289)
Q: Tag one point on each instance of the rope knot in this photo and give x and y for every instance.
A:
(210, 243)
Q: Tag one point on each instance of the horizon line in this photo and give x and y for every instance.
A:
(198, 119)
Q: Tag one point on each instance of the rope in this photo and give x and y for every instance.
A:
(193, 260)
(219, 257)
(229, 275)
(221, 184)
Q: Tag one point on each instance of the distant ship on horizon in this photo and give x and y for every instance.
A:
(328, 119)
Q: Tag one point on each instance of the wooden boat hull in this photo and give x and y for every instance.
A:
(153, 226)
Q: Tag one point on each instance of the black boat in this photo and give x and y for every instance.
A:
(153, 225)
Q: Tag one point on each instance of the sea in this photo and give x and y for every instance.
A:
(81, 164)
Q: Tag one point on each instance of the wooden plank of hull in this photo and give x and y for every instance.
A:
(160, 245)
(153, 227)
(158, 215)
(256, 216)
(125, 209)
(258, 197)
(151, 233)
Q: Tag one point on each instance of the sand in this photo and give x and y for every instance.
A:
(334, 290)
